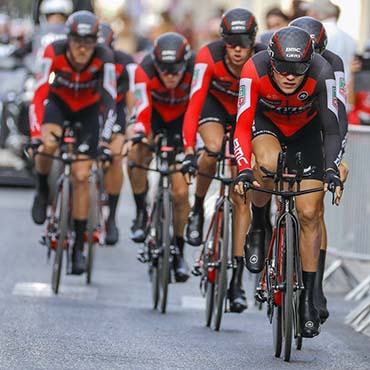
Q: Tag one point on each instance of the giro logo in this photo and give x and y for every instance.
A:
(303, 95)
(253, 259)
(308, 324)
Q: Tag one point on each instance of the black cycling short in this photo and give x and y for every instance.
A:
(120, 125)
(56, 111)
(307, 140)
(172, 128)
(214, 111)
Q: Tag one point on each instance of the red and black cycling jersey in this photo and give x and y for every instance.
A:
(316, 95)
(96, 83)
(211, 76)
(125, 72)
(150, 93)
(337, 64)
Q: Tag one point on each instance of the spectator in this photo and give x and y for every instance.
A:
(359, 89)
(339, 42)
(275, 18)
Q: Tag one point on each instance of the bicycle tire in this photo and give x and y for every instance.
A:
(221, 271)
(287, 302)
(164, 260)
(210, 296)
(277, 331)
(92, 223)
(63, 195)
(155, 285)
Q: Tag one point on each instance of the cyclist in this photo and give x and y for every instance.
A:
(125, 70)
(76, 78)
(162, 88)
(212, 107)
(317, 30)
(53, 15)
(287, 97)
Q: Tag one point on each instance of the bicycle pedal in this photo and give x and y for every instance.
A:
(196, 270)
(260, 297)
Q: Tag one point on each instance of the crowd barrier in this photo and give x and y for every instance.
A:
(348, 225)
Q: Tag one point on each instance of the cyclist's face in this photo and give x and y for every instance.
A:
(238, 55)
(170, 81)
(287, 83)
(81, 48)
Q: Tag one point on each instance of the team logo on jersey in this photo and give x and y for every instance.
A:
(195, 78)
(303, 95)
(335, 100)
(342, 86)
(241, 98)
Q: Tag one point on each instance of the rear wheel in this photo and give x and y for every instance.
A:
(210, 296)
(277, 331)
(63, 201)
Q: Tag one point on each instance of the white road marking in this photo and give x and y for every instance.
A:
(193, 302)
(34, 289)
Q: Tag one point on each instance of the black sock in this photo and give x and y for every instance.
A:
(309, 285)
(42, 184)
(80, 228)
(258, 217)
(112, 202)
(198, 204)
(320, 271)
(140, 200)
(179, 241)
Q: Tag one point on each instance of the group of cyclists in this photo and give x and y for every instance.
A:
(291, 95)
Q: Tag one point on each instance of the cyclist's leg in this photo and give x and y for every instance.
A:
(310, 210)
(113, 184)
(266, 147)
(242, 217)
(52, 124)
(80, 211)
(89, 134)
(139, 185)
(181, 208)
(319, 296)
(211, 129)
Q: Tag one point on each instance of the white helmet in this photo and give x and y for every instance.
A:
(56, 6)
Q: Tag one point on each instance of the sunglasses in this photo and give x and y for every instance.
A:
(79, 41)
(289, 68)
(170, 68)
(242, 40)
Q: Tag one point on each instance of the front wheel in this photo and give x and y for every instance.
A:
(63, 201)
(288, 274)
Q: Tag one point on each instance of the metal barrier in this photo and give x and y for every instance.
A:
(348, 225)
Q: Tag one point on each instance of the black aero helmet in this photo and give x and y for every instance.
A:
(171, 53)
(291, 50)
(106, 35)
(82, 24)
(315, 28)
(238, 27)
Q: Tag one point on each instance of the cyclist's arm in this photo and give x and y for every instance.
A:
(247, 101)
(329, 117)
(340, 84)
(36, 110)
(108, 98)
(143, 102)
(130, 94)
(202, 75)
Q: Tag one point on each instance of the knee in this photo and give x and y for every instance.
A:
(310, 216)
(180, 196)
(81, 178)
(266, 160)
(50, 144)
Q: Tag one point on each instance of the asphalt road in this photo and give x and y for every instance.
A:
(111, 325)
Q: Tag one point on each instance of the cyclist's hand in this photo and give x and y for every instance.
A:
(243, 180)
(343, 172)
(105, 155)
(189, 167)
(32, 147)
(332, 183)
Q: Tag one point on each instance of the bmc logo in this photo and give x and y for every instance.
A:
(239, 154)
